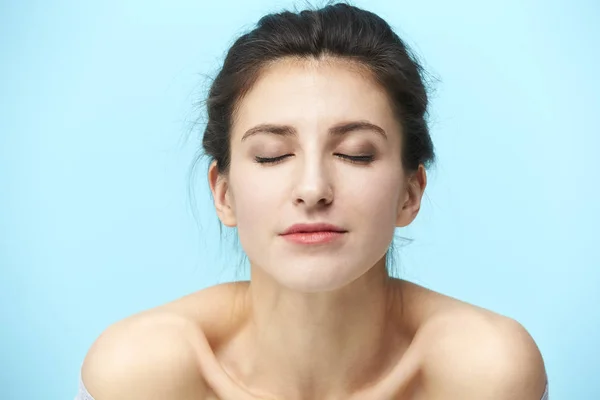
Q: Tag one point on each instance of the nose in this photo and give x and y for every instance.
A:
(314, 186)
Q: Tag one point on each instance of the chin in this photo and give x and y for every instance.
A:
(314, 277)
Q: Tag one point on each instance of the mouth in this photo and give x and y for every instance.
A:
(313, 233)
(313, 228)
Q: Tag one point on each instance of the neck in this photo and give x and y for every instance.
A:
(320, 345)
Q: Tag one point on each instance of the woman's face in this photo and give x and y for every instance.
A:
(337, 146)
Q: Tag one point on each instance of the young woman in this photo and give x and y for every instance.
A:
(319, 147)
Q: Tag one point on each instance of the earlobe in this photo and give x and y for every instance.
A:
(221, 193)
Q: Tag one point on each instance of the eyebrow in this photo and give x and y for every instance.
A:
(336, 130)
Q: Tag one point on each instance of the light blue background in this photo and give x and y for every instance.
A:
(96, 102)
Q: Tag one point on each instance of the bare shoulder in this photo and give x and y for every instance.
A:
(152, 355)
(472, 353)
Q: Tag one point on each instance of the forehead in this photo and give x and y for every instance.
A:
(314, 93)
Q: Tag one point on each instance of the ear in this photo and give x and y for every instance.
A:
(410, 200)
(222, 196)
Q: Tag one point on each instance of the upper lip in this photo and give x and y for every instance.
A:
(314, 227)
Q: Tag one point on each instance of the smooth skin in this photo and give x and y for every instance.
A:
(318, 322)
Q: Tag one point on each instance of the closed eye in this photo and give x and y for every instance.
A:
(362, 159)
(270, 160)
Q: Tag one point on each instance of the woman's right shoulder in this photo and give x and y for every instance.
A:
(154, 354)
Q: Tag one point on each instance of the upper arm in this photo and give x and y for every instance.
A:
(482, 358)
(142, 359)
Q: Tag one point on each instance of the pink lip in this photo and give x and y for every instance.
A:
(316, 227)
(313, 237)
(313, 233)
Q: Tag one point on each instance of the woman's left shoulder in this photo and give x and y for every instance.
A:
(470, 352)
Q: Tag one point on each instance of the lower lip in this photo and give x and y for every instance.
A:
(313, 237)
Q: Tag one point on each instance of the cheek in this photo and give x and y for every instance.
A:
(373, 204)
(383, 208)
(375, 193)
(253, 198)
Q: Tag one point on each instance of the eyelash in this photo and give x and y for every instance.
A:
(353, 159)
